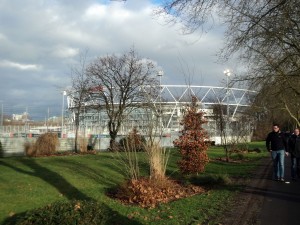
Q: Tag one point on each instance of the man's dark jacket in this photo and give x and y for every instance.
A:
(276, 141)
(294, 145)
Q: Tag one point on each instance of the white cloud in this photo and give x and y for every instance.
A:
(2, 36)
(49, 36)
(65, 52)
(95, 12)
(19, 66)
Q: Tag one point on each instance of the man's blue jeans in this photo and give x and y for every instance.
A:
(295, 167)
(278, 163)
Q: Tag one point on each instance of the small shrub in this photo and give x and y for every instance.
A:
(29, 149)
(129, 146)
(46, 144)
(73, 212)
(133, 142)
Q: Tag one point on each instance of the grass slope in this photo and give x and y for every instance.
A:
(28, 183)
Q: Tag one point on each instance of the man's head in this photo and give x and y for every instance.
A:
(297, 131)
(275, 127)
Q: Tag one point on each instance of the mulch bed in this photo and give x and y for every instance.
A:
(149, 193)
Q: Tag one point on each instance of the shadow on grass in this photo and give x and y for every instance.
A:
(102, 174)
(52, 178)
(60, 215)
(63, 186)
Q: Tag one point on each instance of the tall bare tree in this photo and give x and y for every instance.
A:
(79, 93)
(264, 33)
(121, 81)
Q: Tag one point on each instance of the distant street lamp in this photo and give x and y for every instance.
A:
(160, 74)
(227, 74)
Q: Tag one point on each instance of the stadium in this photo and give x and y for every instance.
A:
(170, 103)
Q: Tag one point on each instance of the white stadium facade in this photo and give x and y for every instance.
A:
(171, 101)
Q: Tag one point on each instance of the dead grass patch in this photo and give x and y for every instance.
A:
(46, 144)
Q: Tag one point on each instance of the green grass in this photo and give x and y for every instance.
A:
(28, 183)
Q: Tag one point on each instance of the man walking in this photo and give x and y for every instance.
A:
(276, 144)
(294, 150)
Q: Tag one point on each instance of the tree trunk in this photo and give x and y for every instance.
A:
(112, 143)
(76, 133)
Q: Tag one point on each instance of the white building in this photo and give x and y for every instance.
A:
(172, 102)
(21, 117)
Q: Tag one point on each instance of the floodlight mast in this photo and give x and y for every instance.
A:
(227, 74)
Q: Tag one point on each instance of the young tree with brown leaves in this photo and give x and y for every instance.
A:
(192, 142)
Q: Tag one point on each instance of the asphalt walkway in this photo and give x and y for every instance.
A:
(281, 202)
(272, 202)
(265, 201)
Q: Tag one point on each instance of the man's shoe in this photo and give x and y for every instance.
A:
(282, 179)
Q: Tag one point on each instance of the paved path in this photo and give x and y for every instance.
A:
(267, 202)
(281, 202)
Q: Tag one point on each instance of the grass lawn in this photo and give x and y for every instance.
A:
(28, 183)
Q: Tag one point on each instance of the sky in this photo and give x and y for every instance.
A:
(40, 41)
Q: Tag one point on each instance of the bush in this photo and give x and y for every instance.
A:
(133, 142)
(46, 144)
(80, 212)
(29, 149)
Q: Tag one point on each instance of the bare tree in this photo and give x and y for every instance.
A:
(220, 118)
(279, 101)
(194, 14)
(121, 81)
(265, 34)
(79, 93)
(234, 133)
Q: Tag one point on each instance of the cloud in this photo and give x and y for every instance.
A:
(65, 52)
(2, 37)
(42, 40)
(19, 66)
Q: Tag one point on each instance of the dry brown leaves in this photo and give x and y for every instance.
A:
(148, 193)
(223, 159)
